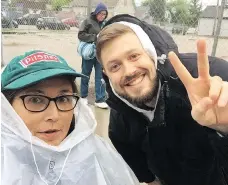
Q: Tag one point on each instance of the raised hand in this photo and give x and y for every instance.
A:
(208, 95)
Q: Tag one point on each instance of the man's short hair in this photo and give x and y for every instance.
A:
(109, 33)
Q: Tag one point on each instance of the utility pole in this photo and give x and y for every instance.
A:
(217, 33)
(89, 7)
(2, 61)
(216, 17)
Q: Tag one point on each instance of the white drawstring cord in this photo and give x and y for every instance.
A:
(102, 84)
(34, 158)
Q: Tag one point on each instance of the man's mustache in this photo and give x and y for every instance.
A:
(128, 78)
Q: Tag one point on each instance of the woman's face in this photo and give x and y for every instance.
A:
(50, 125)
(101, 16)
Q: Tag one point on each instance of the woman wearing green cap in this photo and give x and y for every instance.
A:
(48, 132)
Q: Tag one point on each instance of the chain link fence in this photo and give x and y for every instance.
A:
(53, 24)
(189, 20)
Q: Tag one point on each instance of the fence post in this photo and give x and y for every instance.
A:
(216, 17)
(89, 7)
(2, 61)
(217, 33)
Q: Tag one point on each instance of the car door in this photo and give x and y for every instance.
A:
(53, 24)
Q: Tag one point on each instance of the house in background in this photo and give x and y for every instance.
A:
(114, 6)
(17, 8)
(207, 22)
(125, 7)
(80, 6)
(27, 5)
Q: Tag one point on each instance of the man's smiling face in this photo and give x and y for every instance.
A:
(130, 69)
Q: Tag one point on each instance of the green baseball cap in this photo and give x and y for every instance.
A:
(32, 67)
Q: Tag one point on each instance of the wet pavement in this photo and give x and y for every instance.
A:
(102, 117)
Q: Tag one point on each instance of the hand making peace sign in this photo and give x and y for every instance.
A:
(208, 95)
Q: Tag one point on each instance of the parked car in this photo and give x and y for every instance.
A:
(72, 22)
(8, 23)
(179, 29)
(51, 23)
(192, 31)
(80, 18)
(28, 19)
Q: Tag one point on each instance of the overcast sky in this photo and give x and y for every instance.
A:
(205, 2)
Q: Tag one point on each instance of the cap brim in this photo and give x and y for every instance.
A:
(37, 76)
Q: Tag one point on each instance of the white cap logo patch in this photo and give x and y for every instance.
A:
(38, 57)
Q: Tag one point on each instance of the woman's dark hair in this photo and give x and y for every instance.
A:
(10, 94)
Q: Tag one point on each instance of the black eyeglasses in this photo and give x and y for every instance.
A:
(38, 103)
(102, 14)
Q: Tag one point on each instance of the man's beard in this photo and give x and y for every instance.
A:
(142, 100)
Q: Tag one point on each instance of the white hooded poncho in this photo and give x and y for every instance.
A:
(82, 158)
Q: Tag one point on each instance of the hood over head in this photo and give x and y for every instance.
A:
(80, 159)
(100, 7)
(85, 125)
(156, 41)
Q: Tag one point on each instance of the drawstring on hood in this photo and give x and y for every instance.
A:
(81, 158)
(37, 168)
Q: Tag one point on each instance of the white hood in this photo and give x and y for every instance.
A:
(14, 125)
(82, 158)
(148, 113)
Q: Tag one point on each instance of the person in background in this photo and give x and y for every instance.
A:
(47, 134)
(88, 32)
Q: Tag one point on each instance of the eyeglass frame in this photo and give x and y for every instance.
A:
(49, 100)
(102, 14)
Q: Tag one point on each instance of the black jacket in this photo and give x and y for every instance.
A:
(173, 146)
(89, 29)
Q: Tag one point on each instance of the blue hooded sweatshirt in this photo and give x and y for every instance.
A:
(101, 7)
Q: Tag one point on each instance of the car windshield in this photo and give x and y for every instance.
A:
(49, 20)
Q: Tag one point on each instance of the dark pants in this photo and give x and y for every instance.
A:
(87, 66)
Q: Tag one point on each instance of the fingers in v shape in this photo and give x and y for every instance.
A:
(202, 60)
